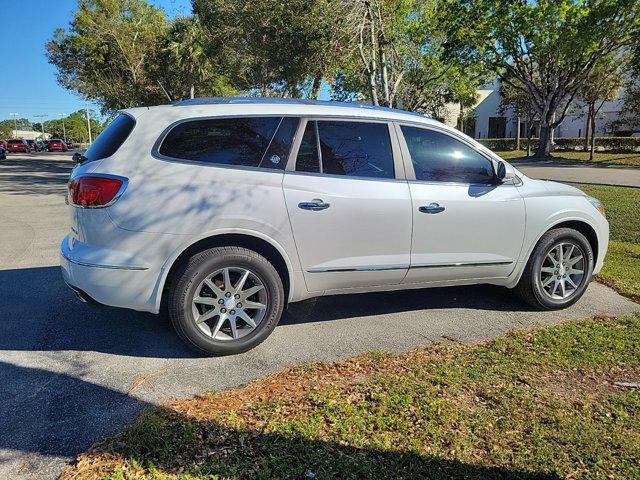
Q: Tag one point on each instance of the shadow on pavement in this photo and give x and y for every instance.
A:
(38, 312)
(36, 175)
(52, 413)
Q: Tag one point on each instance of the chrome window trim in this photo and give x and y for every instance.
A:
(119, 193)
(404, 267)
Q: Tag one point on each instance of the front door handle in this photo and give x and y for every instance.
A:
(314, 205)
(431, 208)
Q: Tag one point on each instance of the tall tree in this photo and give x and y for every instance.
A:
(395, 52)
(602, 85)
(106, 53)
(189, 64)
(520, 103)
(545, 48)
(274, 47)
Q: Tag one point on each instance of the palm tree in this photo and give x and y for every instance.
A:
(188, 50)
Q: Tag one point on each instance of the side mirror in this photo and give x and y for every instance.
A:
(78, 158)
(505, 172)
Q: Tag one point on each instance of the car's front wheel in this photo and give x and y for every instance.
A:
(558, 271)
(226, 300)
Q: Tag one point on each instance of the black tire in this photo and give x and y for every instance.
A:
(530, 288)
(187, 280)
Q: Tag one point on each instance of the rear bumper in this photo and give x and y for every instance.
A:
(113, 285)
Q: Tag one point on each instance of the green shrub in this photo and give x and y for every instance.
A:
(603, 144)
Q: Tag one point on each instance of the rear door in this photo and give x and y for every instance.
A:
(349, 204)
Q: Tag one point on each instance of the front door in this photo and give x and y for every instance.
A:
(466, 225)
(351, 216)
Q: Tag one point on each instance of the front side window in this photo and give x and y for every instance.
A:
(248, 142)
(437, 157)
(356, 149)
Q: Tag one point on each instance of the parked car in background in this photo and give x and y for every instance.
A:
(3, 144)
(18, 145)
(40, 146)
(635, 134)
(3, 153)
(33, 145)
(56, 144)
(45, 144)
(226, 210)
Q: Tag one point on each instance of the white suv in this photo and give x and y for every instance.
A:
(225, 210)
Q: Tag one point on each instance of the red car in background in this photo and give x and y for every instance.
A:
(18, 145)
(57, 144)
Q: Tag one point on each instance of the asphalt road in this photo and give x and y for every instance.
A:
(71, 374)
(578, 172)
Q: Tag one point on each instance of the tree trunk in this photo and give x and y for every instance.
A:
(315, 86)
(587, 128)
(593, 135)
(518, 132)
(544, 145)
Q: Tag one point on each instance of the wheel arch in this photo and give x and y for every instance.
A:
(579, 224)
(268, 248)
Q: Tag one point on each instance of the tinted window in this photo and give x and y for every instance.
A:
(110, 139)
(308, 159)
(278, 151)
(437, 157)
(356, 149)
(232, 141)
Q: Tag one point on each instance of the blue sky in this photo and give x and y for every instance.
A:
(27, 82)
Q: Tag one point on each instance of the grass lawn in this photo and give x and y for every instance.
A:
(626, 159)
(622, 265)
(537, 404)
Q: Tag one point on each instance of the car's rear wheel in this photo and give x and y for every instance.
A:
(225, 300)
(558, 271)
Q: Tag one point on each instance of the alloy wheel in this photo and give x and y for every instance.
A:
(230, 303)
(562, 270)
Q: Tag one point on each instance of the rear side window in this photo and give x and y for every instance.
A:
(437, 157)
(356, 149)
(111, 138)
(245, 142)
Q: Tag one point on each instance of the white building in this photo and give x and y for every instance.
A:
(490, 122)
(30, 134)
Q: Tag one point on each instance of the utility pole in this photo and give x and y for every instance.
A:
(64, 130)
(15, 124)
(42, 123)
(88, 125)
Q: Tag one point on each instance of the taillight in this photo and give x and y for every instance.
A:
(93, 192)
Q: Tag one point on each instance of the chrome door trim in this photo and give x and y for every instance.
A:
(357, 269)
(403, 267)
(462, 264)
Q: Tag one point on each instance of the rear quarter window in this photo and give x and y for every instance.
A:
(111, 138)
(244, 142)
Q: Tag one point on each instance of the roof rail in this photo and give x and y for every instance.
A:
(286, 101)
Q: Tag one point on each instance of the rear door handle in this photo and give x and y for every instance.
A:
(431, 208)
(314, 205)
